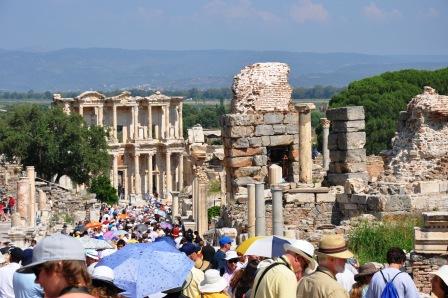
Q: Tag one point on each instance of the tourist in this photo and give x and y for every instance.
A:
(439, 282)
(219, 260)
(243, 280)
(103, 283)
(92, 258)
(7, 272)
(120, 244)
(208, 255)
(279, 279)
(60, 267)
(232, 259)
(197, 276)
(402, 282)
(331, 255)
(213, 285)
(347, 278)
(23, 284)
(362, 280)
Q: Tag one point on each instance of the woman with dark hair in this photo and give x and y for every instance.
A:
(243, 279)
(439, 282)
(363, 278)
(60, 267)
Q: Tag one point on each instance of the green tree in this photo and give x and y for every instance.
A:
(55, 143)
(103, 189)
(384, 96)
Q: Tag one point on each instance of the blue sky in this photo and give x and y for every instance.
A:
(374, 27)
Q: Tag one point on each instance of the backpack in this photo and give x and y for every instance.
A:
(389, 290)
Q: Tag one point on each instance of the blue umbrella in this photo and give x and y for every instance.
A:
(166, 239)
(142, 269)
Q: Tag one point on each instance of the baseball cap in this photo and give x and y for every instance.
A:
(93, 254)
(189, 248)
(57, 247)
(16, 253)
(225, 240)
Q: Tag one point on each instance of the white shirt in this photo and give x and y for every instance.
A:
(347, 278)
(6, 274)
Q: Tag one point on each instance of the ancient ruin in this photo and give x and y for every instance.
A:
(145, 139)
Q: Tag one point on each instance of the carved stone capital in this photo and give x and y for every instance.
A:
(325, 122)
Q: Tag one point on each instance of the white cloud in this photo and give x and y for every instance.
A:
(238, 9)
(307, 11)
(373, 12)
(432, 13)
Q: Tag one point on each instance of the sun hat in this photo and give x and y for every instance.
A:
(366, 269)
(189, 248)
(225, 240)
(442, 273)
(93, 254)
(57, 247)
(103, 276)
(304, 249)
(334, 246)
(231, 254)
(213, 282)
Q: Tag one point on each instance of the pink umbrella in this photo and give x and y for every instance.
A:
(109, 235)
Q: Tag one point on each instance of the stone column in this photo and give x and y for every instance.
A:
(115, 170)
(260, 210)
(132, 127)
(150, 182)
(136, 132)
(149, 121)
(251, 209)
(181, 125)
(100, 115)
(275, 174)
(81, 110)
(181, 171)
(158, 174)
(163, 127)
(31, 174)
(305, 142)
(176, 124)
(168, 172)
(114, 121)
(138, 186)
(167, 122)
(277, 210)
(42, 200)
(23, 197)
(202, 209)
(325, 152)
(175, 206)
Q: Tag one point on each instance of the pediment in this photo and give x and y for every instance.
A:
(90, 96)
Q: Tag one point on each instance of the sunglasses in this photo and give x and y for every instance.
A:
(37, 270)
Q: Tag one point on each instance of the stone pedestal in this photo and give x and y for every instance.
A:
(275, 174)
(277, 211)
(325, 152)
(260, 210)
(305, 142)
(251, 209)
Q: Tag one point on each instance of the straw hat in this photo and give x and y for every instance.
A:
(366, 269)
(334, 246)
(304, 249)
(213, 282)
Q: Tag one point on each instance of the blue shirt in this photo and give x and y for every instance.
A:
(24, 286)
(403, 283)
(219, 261)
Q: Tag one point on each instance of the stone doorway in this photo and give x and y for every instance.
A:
(279, 155)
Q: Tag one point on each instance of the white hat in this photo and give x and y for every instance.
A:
(57, 247)
(104, 276)
(442, 273)
(213, 282)
(231, 254)
(93, 254)
(304, 249)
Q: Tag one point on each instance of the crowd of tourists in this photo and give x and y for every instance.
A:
(59, 265)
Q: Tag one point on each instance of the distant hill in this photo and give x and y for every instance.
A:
(108, 69)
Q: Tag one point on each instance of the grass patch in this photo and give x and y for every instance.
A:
(370, 241)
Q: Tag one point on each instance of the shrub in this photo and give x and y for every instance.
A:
(214, 211)
(371, 240)
(103, 189)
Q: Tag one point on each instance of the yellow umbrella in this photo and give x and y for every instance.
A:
(243, 247)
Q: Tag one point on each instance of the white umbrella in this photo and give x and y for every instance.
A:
(92, 243)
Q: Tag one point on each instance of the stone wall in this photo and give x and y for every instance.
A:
(346, 144)
(262, 87)
(420, 149)
(246, 140)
